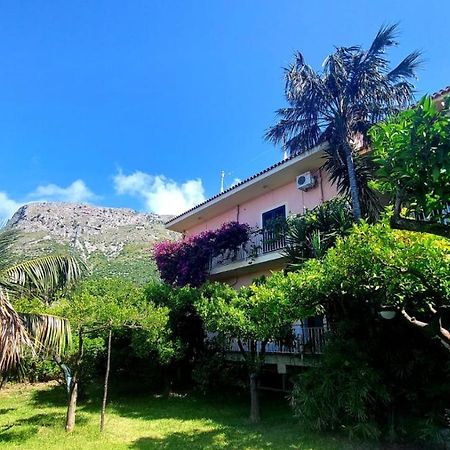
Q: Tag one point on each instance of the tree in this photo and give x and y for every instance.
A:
(252, 316)
(186, 327)
(412, 152)
(376, 267)
(102, 308)
(370, 365)
(355, 90)
(41, 276)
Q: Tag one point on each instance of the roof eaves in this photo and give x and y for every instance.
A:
(226, 191)
(441, 93)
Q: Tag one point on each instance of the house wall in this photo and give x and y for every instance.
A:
(296, 202)
(246, 279)
(250, 212)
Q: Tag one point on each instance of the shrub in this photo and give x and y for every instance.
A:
(213, 374)
(343, 393)
(185, 262)
(311, 234)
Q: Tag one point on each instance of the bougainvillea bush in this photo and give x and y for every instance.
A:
(186, 262)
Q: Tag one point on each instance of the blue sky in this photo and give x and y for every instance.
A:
(141, 104)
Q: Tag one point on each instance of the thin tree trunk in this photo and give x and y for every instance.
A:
(254, 399)
(4, 379)
(402, 223)
(105, 386)
(353, 182)
(72, 406)
(73, 392)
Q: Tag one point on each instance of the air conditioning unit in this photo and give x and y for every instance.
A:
(305, 181)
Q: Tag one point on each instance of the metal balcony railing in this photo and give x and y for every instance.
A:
(444, 215)
(260, 242)
(306, 341)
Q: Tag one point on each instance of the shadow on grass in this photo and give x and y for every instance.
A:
(229, 439)
(201, 440)
(19, 430)
(56, 396)
(52, 396)
(224, 410)
(227, 425)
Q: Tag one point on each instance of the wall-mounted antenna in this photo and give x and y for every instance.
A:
(284, 148)
(222, 177)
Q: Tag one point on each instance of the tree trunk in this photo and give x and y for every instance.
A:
(3, 380)
(254, 400)
(105, 386)
(438, 229)
(73, 391)
(402, 223)
(353, 182)
(72, 406)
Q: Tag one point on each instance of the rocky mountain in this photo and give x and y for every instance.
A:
(113, 241)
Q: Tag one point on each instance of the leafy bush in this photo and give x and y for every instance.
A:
(311, 234)
(412, 152)
(35, 369)
(185, 262)
(343, 393)
(213, 374)
(186, 327)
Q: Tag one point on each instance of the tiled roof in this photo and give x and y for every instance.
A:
(440, 93)
(437, 94)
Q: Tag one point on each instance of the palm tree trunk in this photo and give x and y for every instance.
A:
(105, 386)
(353, 182)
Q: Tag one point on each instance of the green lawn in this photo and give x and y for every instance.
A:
(31, 417)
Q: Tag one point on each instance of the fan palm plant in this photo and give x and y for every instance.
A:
(39, 276)
(355, 90)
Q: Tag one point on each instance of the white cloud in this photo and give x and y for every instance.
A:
(235, 182)
(77, 192)
(8, 207)
(160, 194)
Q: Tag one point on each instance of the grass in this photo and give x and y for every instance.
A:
(32, 417)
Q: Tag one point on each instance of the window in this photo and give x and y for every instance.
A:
(273, 225)
(269, 218)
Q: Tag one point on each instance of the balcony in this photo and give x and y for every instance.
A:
(306, 341)
(262, 242)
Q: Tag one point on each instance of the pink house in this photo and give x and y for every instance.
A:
(288, 187)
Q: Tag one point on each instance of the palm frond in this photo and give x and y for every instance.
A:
(49, 334)
(8, 237)
(385, 37)
(42, 275)
(406, 68)
(14, 338)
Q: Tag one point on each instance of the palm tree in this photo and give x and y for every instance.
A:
(355, 90)
(39, 276)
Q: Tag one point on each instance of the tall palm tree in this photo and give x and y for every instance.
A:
(355, 90)
(39, 276)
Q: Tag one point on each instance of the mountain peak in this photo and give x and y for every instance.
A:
(96, 233)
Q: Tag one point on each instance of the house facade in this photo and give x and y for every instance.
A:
(289, 187)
